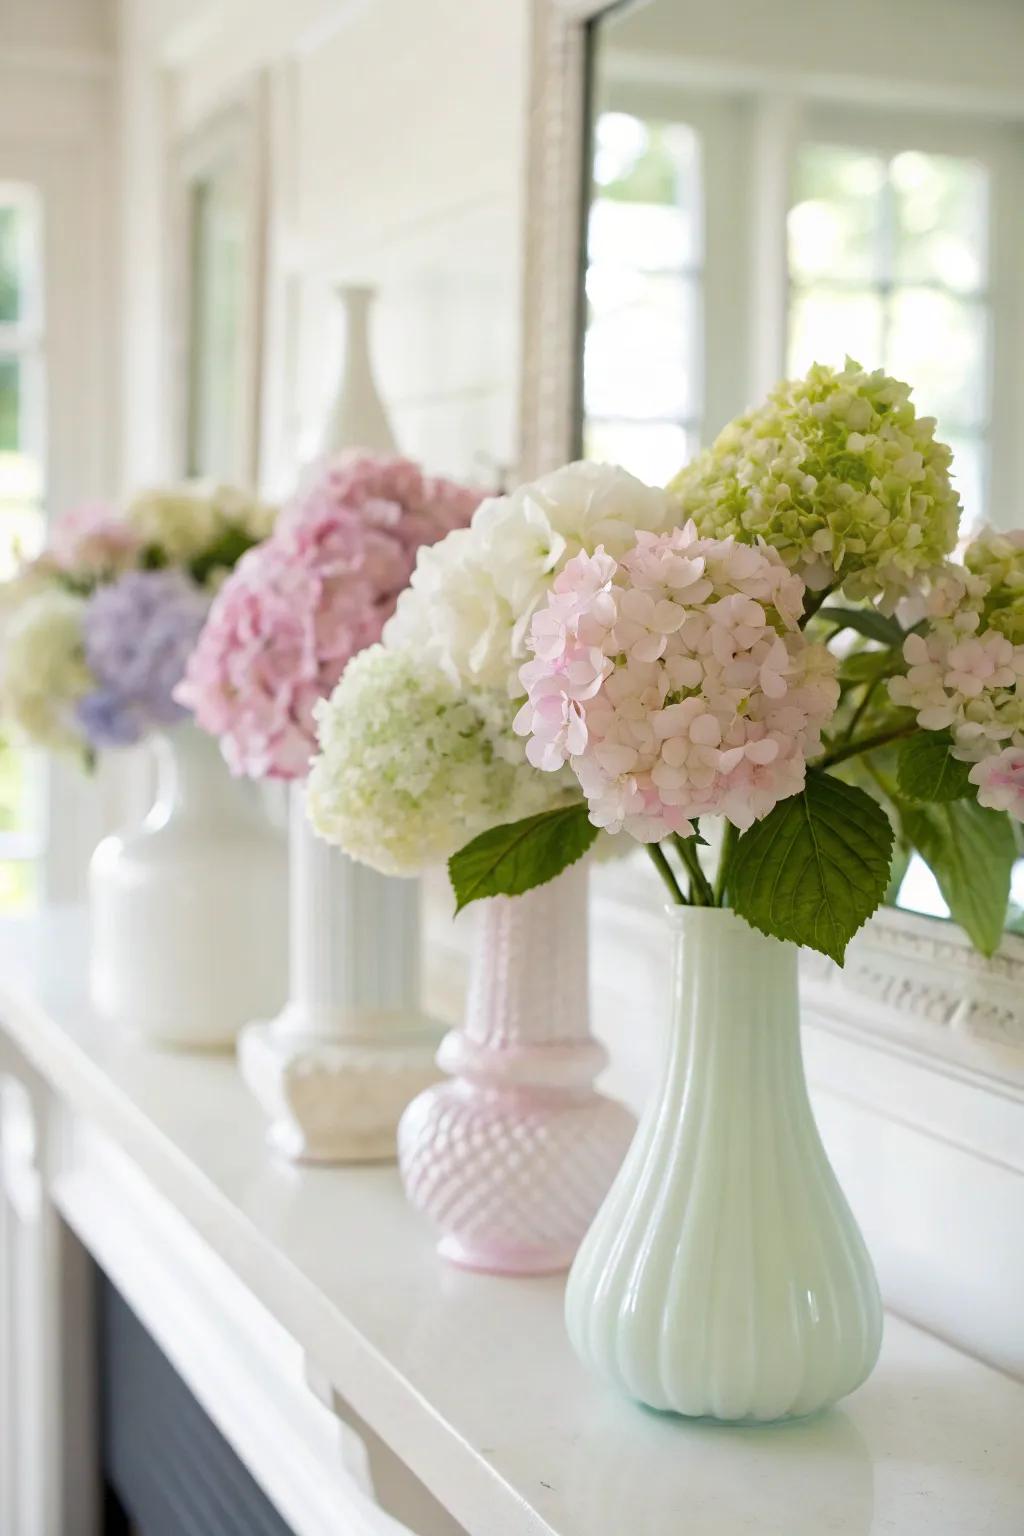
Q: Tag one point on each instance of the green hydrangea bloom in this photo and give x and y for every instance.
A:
(44, 669)
(840, 474)
(998, 558)
(410, 769)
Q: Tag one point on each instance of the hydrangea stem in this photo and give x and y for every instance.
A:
(730, 837)
(664, 869)
(865, 744)
(701, 894)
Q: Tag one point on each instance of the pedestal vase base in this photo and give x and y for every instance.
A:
(337, 1100)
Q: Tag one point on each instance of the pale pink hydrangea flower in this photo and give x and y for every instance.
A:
(91, 540)
(969, 684)
(1000, 781)
(676, 683)
(298, 607)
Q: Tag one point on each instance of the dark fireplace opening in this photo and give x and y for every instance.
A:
(167, 1469)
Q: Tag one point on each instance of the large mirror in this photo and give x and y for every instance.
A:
(768, 186)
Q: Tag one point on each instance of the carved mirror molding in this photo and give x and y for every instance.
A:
(912, 979)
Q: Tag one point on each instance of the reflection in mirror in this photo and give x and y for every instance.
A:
(752, 210)
(217, 300)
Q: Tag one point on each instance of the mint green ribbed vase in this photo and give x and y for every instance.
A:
(725, 1277)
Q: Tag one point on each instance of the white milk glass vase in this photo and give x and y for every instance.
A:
(724, 1276)
(337, 1066)
(188, 910)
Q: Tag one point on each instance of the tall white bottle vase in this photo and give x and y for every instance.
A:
(188, 910)
(356, 417)
(338, 1065)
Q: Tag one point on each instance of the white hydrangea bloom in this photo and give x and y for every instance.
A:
(186, 521)
(410, 768)
(44, 668)
(474, 594)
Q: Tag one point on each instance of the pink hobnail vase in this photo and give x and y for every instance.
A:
(513, 1155)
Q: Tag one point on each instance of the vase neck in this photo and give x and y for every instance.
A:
(528, 981)
(735, 1030)
(357, 418)
(193, 782)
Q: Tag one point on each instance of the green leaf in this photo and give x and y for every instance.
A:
(927, 770)
(224, 553)
(970, 851)
(816, 867)
(508, 860)
(867, 622)
(869, 666)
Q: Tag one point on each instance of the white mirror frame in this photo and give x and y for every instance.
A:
(914, 980)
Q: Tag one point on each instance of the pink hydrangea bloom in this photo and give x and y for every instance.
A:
(296, 609)
(1000, 781)
(969, 684)
(676, 683)
(91, 539)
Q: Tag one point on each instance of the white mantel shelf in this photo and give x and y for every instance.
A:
(470, 1380)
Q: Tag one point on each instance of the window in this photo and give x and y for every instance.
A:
(888, 261)
(22, 518)
(642, 384)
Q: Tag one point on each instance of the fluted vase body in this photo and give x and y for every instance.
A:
(512, 1156)
(337, 1066)
(725, 1276)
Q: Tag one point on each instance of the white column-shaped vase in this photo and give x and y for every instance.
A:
(336, 1068)
(725, 1276)
(188, 912)
(511, 1157)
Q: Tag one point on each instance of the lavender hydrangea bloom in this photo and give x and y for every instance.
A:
(139, 631)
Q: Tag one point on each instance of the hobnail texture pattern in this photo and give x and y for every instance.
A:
(511, 1158)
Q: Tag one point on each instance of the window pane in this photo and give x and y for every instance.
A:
(10, 403)
(18, 885)
(941, 217)
(642, 362)
(938, 344)
(826, 324)
(14, 800)
(649, 235)
(654, 451)
(650, 162)
(641, 345)
(834, 223)
(11, 263)
(21, 517)
(969, 465)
